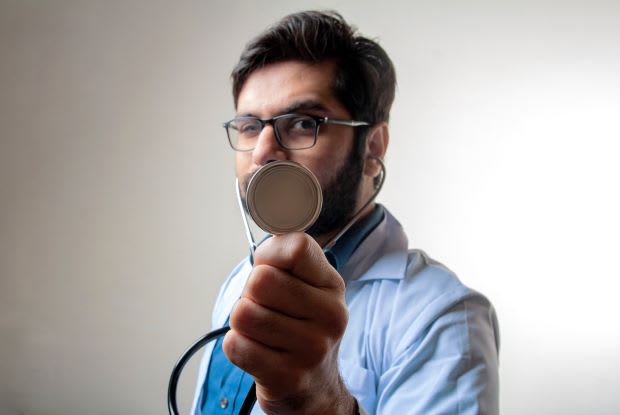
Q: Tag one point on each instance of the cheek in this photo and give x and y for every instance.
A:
(325, 169)
(243, 162)
(331, 160)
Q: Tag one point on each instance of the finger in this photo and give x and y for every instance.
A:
(298, 253)
(278, 290)
(309, 341)
(269, 367)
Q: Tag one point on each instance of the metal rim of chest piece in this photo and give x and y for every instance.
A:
(284, 196)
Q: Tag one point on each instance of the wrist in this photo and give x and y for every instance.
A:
(327, 401)
(344, 404)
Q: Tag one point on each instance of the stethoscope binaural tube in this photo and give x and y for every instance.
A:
(267, 214)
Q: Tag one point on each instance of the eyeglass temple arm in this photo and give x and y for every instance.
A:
(345, 122)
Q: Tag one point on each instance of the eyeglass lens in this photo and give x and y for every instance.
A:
(293, 131)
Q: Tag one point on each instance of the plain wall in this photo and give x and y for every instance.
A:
(118, 220)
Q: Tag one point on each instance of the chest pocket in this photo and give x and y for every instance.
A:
(361, 382)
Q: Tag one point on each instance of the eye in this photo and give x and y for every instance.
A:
(302, 124)
(247, 127)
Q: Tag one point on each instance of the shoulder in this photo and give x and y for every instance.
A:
(386, 274)
(406, 306)
(424, 339)
(404, 280)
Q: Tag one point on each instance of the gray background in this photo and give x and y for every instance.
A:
(118, 220)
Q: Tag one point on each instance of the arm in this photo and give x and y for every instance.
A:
(449, 367)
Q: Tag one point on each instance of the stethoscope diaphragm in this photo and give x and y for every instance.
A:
(284, 196)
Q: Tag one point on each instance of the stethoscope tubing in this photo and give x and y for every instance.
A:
(173, 409)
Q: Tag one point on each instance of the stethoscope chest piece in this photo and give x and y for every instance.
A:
(284, 196)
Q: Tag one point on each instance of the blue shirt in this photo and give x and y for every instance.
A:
(418, 341)
(225, 387)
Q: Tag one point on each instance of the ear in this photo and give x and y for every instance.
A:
(377, 141)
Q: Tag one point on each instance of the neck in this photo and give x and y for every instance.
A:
(328, 240)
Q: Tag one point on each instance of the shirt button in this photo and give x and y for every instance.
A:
(223, 403)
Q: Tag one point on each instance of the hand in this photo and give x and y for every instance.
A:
(286, 329)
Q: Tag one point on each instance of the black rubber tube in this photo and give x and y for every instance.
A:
(178, 368)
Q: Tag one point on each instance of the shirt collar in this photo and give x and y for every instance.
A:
(382, 255)
(339, 254)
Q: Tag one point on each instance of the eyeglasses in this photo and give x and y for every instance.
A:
(293, 131)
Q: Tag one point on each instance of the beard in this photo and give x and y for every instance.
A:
(340, 196)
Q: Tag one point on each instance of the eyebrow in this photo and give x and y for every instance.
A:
(309, 105)
(304, 106)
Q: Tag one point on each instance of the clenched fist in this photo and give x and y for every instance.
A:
(287, 326)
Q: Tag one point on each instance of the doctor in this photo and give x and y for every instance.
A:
(368, 326)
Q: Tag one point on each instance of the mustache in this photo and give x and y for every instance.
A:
(244, 181)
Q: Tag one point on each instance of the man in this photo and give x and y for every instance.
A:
(367, 326)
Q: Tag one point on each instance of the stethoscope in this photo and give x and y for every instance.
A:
(281, 197)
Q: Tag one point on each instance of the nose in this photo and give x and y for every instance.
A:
(267, 148)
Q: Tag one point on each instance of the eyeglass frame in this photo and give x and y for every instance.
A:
(271, 121)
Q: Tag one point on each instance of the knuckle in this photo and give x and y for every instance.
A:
(236, 350)
(320, 348)
(341, 319)
(340, 285)
(230, 346)
(298, 244)
(261, 281)
(243, 315)
(338, 319)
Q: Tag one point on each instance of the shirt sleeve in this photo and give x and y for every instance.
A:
(451, 367)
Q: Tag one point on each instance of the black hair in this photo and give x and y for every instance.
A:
(364, 81)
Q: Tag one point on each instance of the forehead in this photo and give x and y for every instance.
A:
(280, 87)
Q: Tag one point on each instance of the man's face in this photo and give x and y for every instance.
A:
(296, 87)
